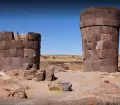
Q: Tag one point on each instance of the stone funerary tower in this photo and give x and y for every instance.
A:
(17, 50)
(100, 38)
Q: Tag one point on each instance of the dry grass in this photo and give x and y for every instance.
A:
(73, 62)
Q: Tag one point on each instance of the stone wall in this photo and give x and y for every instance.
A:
(100, 37)
(16, 50)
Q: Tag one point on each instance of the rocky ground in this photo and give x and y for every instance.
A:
(92, 88)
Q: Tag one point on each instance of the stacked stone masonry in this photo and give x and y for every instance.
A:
(16, 50)
(100, 38)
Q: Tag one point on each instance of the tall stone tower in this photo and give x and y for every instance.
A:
(100, 37)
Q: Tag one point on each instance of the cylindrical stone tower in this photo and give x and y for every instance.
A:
(100, 36)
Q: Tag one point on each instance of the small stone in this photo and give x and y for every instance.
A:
(106, 81)
(60, 86)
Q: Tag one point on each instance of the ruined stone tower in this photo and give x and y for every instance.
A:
(16, 50)
(100, 37)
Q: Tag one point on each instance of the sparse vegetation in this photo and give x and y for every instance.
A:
(70, 62)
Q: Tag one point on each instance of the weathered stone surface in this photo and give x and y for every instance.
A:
(108, 53)
(99, 21)
(36, 44)
(29, 60)
(4, 45)
(8, 36)
(30, 53)
(106, 45)
(16, 44)
(28, 44)
(18, 52)
(17, 61)
(91, 65)
(7, 61)
(108, 68)
(31, 36)
(49, 75)
(2, 60)
(99, 16)
(107, 62)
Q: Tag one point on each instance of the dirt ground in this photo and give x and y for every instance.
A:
(92, 88)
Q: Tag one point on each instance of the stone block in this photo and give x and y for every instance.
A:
(30, 53)
(91, 65)
(90, 45)
(99, 21)
(28, 44)
(36, 45)
(86, 54)
(107, 62)
(7, 36)
(89, 38)
(17, 61)
(108, 53)
(106, 45)
(93, 54)
(4, 53)
(31, 36)
(109, 30)
(1, 63)
(109, 37)
(4, 45)
(16, 44)
(7, 61)
(109, 68)
(29, 60)
(16, 52)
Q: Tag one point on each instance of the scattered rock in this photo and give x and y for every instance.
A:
(4, 76)
(60, 86)
(18, 93)
(106, 81)
(21, 74)
(29, 75)
(10, 88)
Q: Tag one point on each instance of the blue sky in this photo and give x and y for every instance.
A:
(58, 25)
